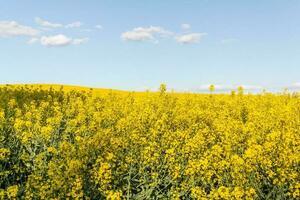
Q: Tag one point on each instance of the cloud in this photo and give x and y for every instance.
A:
(61, 40)
(48, 24)
(74, 25)
(185, 26)
(136, 36)
(56, 40)
(33, 40)
(12, 28)
(190, 38)
(229, 40)
(98, 27)
(145, 34)
(80, 41)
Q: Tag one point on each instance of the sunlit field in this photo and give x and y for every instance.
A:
(64, 142)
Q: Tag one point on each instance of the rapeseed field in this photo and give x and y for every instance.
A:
(69, 143)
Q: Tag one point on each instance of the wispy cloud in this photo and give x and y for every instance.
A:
(151, 33)
(48, 24)
(74, 25)
(154, 33)
(12, 28)
(33, 40)
(80, 41)
(190, 38)
(185, 26)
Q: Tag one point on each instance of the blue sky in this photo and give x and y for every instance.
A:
(135, 44)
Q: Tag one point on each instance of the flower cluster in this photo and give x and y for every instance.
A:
(58, 143)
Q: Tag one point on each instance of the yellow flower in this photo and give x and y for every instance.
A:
(4, 153)
(76, 142)
(224, 192)
(112, 195)
(251, 192)
(51, 150)
(238, 193)
(198, 193)
(12, 191)
(2, 194)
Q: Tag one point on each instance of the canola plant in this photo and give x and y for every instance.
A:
(88, 144)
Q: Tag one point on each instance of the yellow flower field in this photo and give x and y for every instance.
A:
(70, 143)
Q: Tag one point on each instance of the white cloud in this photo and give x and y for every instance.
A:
(153, 30)
(56, 41)
(145, 33)
(190, 38)
(98, 27)
(136, 36)
(33, 40)
(48, 24)
(61, 40)
(74, 25)
(229, 40)
(45, 29)
(185, 26)
(80, 41)
(12, 28)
